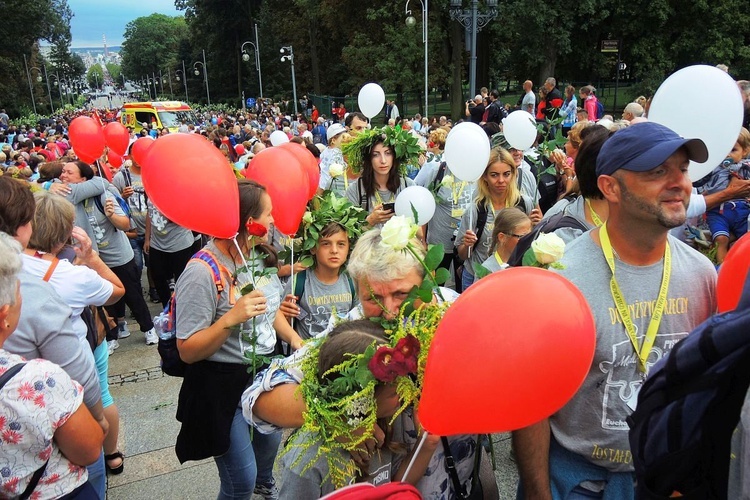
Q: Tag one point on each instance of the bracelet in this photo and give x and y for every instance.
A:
(571, 178)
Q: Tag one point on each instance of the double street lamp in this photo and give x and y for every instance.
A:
(197, 72)
(246, 58)
(184, 79)
(410, 21)
(473, 22)
(288, 55)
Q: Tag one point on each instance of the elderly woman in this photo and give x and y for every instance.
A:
(383, 278)
(51, 436)
(87, 283)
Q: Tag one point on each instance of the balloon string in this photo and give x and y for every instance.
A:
(242, 256)
(293, 273)
(414, 457)
(471, 224)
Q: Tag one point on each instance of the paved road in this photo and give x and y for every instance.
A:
(147, 401)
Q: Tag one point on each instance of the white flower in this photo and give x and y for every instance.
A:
(336, 169)
(397, 232)
(447, 181)
(548, 248)
(307, 218)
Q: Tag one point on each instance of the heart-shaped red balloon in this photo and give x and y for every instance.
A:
(511, 351)
(732, 275)
(192, 184)
(117, 137)
(87, 138)
(286, 181)
(308, 162)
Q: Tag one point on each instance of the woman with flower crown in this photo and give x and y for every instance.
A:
(221, 327)
(381, 157)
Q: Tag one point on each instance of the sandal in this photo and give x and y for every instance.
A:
(115, 456)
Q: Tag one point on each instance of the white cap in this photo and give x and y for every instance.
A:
(334, 130)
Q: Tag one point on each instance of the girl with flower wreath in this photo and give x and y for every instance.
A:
(218, 331)
(497, 188)
(381, 157)
(317, 459)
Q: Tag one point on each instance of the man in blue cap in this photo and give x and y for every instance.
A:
(646, 290)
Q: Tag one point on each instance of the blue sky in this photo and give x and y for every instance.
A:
(93, 18)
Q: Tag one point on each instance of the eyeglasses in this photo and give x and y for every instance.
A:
(519, 236)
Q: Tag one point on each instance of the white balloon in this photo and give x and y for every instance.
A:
(467, 151)
(520, 131)
(422, 201)
(371, 99)
(278, 138)
(718, 124)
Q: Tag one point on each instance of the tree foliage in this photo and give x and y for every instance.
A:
(24, 24)
(152, 43)
(95, 76)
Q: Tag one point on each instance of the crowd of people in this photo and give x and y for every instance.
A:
(74, 247)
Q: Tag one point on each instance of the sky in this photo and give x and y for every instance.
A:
(94, 18)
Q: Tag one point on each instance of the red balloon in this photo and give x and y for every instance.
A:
(140, 148)
(117, 137)
(532, 359)
(308, 162)
(732, 275)
(87, 138)
(114, 158)
(287, 184)
(192, 184)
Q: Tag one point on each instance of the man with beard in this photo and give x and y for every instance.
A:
(646, 290)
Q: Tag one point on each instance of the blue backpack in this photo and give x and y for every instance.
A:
(599, 110)
(165, 323)
(688, 409)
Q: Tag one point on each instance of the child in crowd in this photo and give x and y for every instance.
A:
(511, 224)
(728, 221)
(317, 463)
(323, 290)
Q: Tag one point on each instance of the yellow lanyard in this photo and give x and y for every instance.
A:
(380, 200)
(498, 259)
(622, 307)
(457, 192)
(594, 216)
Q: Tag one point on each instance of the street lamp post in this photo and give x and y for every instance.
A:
(49, 91)
(246, 57)
(184, 79)
(473, 21)
(410, 21)
(39, 79)
(169, 78)
(31, 87)
(59, 84)
(288, 55)
(197, 72)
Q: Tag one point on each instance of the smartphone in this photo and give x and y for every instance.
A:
(389, 207)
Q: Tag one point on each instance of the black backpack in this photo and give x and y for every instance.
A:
(688, 409)
(549, 225)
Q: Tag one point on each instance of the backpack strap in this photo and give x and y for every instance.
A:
(9, 373)
(481, 221)
(209, 259)
(440, 174)
(299, 285)
(351, 288)
(364, 200)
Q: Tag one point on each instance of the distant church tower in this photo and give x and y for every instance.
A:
(106, 52)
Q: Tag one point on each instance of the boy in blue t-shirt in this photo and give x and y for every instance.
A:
(730, 218)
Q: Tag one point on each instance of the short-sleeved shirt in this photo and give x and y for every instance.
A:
(529, 101)
(167, 236)
(593, 423)
(136, 201)
(114, 247)
(356, 194)
(318, 302)
(34, 403)
(328, 157)
(198, 306)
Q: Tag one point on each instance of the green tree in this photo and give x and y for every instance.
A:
(114, 71)
(152, 43)
(95, 76)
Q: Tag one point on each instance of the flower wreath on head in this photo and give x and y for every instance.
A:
(405, 146)
(324, 209)
(342, 410)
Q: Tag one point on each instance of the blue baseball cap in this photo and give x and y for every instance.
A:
(644, 146)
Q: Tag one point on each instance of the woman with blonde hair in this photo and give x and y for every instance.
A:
(497, 188)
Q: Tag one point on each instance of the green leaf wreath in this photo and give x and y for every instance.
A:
(405, 145)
